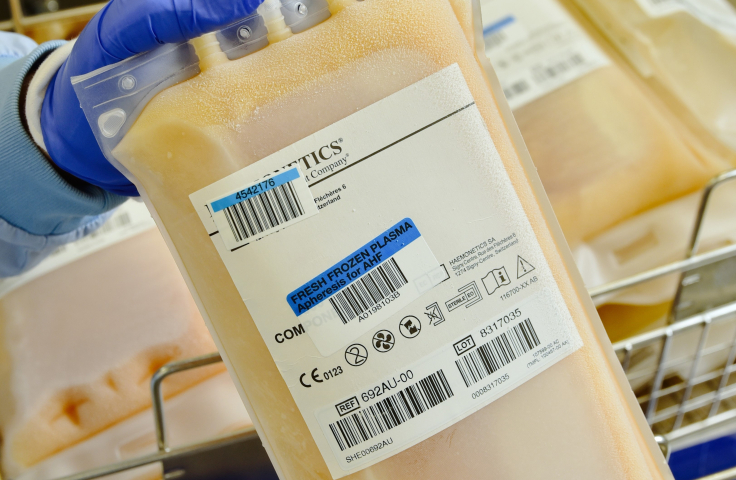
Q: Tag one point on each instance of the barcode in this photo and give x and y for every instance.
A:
(392, 411)
(502, 350)
(515, 89)
(550, 71)
(495, 39)
(367, 291)
(264, 211)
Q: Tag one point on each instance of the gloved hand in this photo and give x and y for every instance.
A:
(120, 30)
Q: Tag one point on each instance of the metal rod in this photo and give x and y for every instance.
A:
(697, 232)
(681, 386)
(652, 407)
(675, 267)
(695, 432)
(694, 404)
(627, 357)
(16, 12)
(704, 203)
(691, 261)
(673, 364)
(159, 456)
(664, 445)
(686, 324)
(691, 374)
(157, 396)
(724, 377)
(729, 474)
(667, 333)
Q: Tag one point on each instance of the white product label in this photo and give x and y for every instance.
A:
(366, 287)
(262, 207)
(718, 14)
(536, 47)
(419, 290)
(130, 219)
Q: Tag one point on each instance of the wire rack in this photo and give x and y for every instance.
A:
(219, 457)
(683, 374)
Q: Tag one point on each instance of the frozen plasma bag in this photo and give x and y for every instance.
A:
(686, 52)
(605, 147)
(616, 161)
(350, 200)
(79, 346)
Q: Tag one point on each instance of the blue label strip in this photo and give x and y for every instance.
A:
(352, 267)
(256, 189)
(494, 27)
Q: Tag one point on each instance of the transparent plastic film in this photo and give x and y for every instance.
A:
(208, 51)
(686, 51)
(326, 125)
(114, 102)
(270, 10)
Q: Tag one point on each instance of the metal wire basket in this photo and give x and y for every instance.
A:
(682, 373)
(236, 455)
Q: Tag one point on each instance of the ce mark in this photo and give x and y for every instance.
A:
(315, 377)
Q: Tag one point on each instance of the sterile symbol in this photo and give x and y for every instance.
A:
(356, 355)
(383, 341)
(522, 267)
(410, 326)
(469, 296)
(434, 313)
(495, 279)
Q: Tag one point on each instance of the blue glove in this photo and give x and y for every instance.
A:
(120, 30)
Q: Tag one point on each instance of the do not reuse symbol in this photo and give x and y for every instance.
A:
(356, 355)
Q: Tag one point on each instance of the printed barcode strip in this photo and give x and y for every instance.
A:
(264, 211)
(516, 88)
(552, 71)
(391, 411)
(502, 350)
(367, 291)
(495, 39)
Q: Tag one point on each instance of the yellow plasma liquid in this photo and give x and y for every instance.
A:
(577, 420)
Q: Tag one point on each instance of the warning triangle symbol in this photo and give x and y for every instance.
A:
(522, 267)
